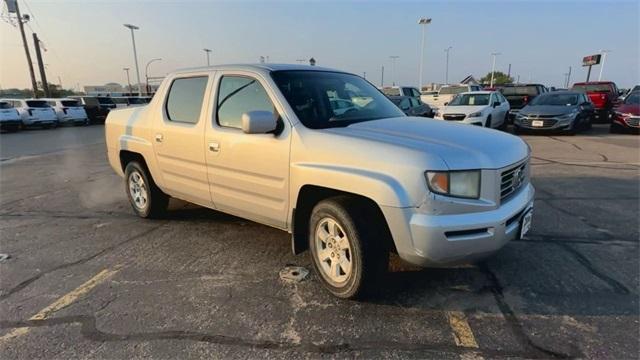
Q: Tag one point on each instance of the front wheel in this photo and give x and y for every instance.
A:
(146, 199)
(488, 122)
(347, 252)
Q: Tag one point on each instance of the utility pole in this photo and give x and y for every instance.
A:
(604, 57)
(43, 74)
(364, 74)
(568, 78)
(393, 69)
(382, 77)
(128, 79)
(493, 67)
(34, 85)
(509, 71)
(208, 51)
(422, 22)
(135, 54)
(446, 72)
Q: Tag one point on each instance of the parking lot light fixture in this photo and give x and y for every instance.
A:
(135, 54)
(423, 22)
(604, 57)
(446, 71)
(493, 67)
(208, 52)
(393, 68)
(128, 79)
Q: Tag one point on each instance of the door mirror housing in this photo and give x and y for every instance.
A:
(258, 122)
(496, 104)
(445, 104)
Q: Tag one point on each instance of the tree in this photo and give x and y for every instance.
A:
(499, 78)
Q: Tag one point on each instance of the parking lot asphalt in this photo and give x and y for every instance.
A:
(88, 279)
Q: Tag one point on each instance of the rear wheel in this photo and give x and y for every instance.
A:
(488, 122)
(146, 199)
(347, 247)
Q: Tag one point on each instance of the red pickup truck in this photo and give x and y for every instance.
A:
(603, 95)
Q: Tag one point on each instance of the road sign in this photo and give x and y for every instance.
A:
(591, 60)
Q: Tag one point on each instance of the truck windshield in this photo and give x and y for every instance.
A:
(470, 100)
(452, 90)
(633, 98)
(555, 100)
(310, 93)
(391, 91)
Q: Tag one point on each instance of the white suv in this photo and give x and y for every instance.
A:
(69, 111)
(34, 112)
(483, 108)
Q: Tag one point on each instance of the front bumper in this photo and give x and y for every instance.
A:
(440, 240)
(71, 120)
(547, 123)
(10, 124)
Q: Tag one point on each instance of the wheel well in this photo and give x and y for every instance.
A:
(129, 156)
(309, 196)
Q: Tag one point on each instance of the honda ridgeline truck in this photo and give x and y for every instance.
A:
(262, 142)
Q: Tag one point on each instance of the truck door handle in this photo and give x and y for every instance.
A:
(159, 137)
(214, 146)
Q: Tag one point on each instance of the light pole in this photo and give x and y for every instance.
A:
(422, 22)
(446, 72)
(208, 51)
(146, 74)
(493, 67)
(128, 79)
(604, 57)
(393, 69)
(135, 55)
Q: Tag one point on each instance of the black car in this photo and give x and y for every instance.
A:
(519, 95)
(566, 111)
(97, 107)
(412, 106)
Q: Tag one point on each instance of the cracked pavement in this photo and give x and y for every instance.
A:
(205, 284)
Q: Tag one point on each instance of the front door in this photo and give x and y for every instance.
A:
(248, 173)
(179, 139)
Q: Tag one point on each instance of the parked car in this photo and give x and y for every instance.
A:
(566, 111)
(69, 111)
(349, 188)
(519, 95)
(401, 91)
(97, 108)
(34, 112)
(446, 93)
(9, 117)
(603, 95)
(412, 106)
(627, 114)
(482, 108)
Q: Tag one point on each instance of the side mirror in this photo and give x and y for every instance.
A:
(445, 104)
(258, 122)
(496, 104)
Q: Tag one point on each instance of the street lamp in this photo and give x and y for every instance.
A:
(128, 79)
(493, 67)
(393, 68)
(604, 57)
(208, 51)
(135, 54)
(146, 73)
(423, 22)
(446, 72)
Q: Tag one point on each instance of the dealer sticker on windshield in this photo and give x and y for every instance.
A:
(537, 123)
(525, 224)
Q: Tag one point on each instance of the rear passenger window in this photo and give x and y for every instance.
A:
(184, 102)
(238, 95)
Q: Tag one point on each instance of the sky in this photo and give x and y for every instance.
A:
(87, 43)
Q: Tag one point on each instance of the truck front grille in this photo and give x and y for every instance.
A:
(512, 179)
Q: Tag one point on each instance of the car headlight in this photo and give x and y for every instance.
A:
(463, 184)
(475, 114)
(624, 115)
(569, 116)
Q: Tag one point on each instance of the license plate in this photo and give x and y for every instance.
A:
(525, 224)
(537, 123)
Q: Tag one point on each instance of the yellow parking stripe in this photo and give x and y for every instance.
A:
(62, 302)
(462, 333)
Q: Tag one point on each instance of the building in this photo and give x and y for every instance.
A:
(104, 89)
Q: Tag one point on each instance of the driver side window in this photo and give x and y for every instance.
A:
(238, 95)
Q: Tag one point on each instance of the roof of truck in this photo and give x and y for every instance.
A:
(268, 67)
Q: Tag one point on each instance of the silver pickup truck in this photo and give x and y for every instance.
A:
(266, 142)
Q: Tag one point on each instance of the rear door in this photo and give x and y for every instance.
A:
(178, 138)
(248, 173)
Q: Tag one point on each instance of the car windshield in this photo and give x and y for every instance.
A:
(555, 100)
(452, 90)
(592, 87)
(105, 100)
(70, 103)
(633, 98)
(310, 93)
(37, 104)
(391, 91)
(470, 100)
(5, 105)
(519, 90)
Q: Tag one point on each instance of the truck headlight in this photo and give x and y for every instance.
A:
(475, 114)
(463, 184)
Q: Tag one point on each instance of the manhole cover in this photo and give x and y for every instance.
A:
(4, 257)
(293, 274)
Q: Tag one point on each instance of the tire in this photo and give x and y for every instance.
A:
(488, 122)
(146, 199)
(505, 122)
(348, 226)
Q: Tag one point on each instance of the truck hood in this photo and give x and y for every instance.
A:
(460, 146)
(463, 109)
